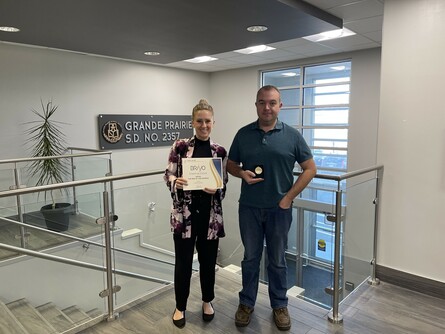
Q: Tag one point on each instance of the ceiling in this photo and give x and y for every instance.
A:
(184, 29)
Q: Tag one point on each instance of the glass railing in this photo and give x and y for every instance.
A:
(332, 246)
(358, 232)
(231, 248)
(45, 296)
(48, 283)
(141, 258)
(331, 243)
(144, 230)
(95, 282)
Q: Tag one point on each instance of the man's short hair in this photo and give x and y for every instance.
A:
(267, 88)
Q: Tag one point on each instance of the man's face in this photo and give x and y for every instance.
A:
(268, 106)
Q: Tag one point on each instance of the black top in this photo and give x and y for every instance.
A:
(201, 150)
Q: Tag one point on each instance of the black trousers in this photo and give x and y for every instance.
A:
(207, 252)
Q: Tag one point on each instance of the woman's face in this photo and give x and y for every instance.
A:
(203, 124)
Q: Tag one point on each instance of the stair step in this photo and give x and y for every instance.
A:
(9, 323)
(30, 318)
(76, 314)
(55, 317)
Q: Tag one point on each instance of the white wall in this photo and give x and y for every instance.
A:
(412, 129)
(84, 87)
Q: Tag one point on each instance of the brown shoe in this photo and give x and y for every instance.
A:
(281, 318)
(242, 315)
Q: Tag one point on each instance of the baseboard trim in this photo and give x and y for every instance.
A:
(416, 283)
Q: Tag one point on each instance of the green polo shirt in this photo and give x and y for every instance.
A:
(277, 151)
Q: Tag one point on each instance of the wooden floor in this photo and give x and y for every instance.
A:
(384, 309)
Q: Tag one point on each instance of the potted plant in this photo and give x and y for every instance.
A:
(47, 139)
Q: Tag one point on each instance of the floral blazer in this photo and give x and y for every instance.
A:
(180, 217)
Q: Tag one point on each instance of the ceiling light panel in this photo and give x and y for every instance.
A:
(202, 59)
(327, 35)
(9, 29)
(255, 49)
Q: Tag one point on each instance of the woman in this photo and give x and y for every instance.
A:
(196, 216)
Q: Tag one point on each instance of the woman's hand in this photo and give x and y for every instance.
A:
(210, 191)
(180, 183)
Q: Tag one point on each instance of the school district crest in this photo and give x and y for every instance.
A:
(112, 132)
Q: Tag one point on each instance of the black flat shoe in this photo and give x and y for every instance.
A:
(208, 317)
(180, 323)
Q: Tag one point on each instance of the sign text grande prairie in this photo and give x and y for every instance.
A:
(135, 131)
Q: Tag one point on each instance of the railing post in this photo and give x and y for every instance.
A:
(334, 316)
(373, 280)
(300, 247)
(23, 234)
(108, 263)
(73, 168)
(110, 173)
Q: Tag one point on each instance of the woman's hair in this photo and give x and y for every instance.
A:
(202, 105)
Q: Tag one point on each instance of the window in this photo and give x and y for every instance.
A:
(316, 102)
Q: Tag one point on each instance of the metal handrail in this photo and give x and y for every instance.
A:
(65, 156)
(86, 241)
(88, 150)
(345, 175)
(23, 191)
(82, 264)
(103, 179)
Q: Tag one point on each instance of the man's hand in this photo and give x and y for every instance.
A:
(235, 169)
(249, 177)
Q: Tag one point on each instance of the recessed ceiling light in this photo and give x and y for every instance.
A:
(256, 28)
(255, 49)
(332, 34)
(9, 29)
(152, 53)
(201, 59)
(289, 74)
(338, 68)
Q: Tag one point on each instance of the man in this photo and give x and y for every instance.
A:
(263, 155)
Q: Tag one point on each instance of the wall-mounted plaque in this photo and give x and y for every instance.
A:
(136, 131)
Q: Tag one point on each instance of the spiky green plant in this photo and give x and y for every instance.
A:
(47, 139)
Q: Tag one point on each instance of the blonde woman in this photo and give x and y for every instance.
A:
(196, 217)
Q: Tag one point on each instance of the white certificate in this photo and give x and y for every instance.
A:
(202, 173)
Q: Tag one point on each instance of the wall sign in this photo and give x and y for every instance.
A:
(135, 131)
(321, 245)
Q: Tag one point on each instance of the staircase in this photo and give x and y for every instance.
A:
(20, 317)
